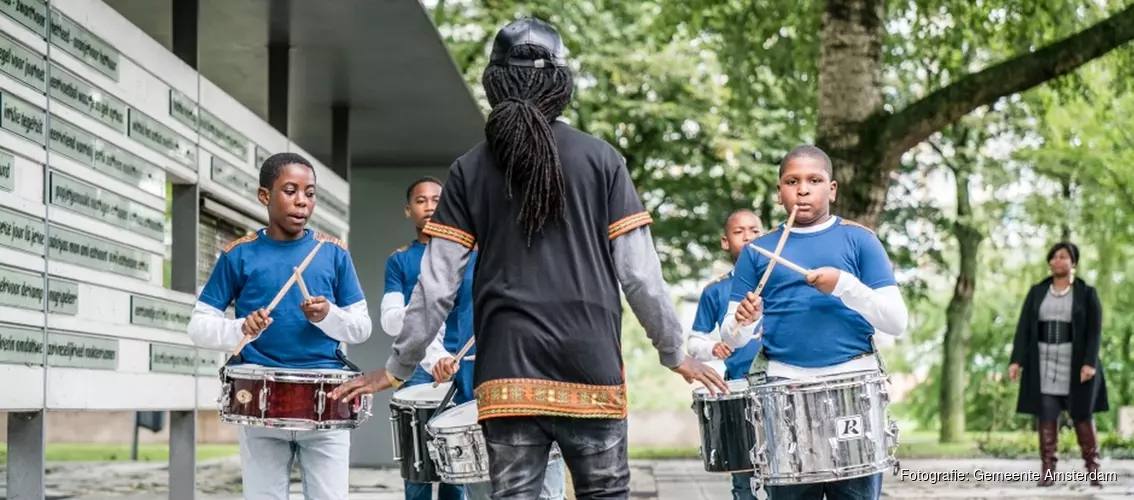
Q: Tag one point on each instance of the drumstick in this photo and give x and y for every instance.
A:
(283, 291)
(302, 285)
(779, 248)
(468, 345)
(790, 265)
(772, 264)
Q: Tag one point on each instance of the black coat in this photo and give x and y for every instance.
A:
(1086, 327)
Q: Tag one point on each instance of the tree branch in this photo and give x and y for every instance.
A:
(919, 120)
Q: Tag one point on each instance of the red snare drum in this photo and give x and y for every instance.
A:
(288, 399)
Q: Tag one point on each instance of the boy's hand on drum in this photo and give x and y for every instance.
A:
(315, 308)
(692, 370)
(362, 385)
(255, 323)
(444, 369)
(721, 350)
(824, 279)
(750, 309)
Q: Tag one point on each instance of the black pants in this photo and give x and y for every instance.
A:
(593, 450)
(1052, 406)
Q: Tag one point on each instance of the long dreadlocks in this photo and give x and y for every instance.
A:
(525, 101)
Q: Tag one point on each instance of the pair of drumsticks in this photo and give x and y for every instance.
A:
(296, 277)
(775, 258)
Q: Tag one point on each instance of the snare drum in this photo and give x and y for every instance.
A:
(457, 445)
(727, 436)
(410, 409)
(822, 429)
(288, 399)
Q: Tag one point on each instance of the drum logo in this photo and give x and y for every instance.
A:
(243, 396)
(848, 428)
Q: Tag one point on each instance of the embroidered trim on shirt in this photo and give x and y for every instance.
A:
(400, 249)
(450, 233)
(330, 239)
(240, 241)
(845, 222)
(521, 397)
(629, 223)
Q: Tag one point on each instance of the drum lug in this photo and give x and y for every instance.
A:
(706, 412)
(713, 456)
(416, 442)
(224, 400)
(701, 452)
(320, 402)
(264, 400)
(395, 438)
(755, 483)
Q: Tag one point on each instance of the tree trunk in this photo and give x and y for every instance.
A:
(850, 93)
(958, 316)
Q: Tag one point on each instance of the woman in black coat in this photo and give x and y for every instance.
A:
(1056, 358)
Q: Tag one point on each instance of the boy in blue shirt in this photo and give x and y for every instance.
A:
(741, 227)
(821, 324)
(299, 333)
(402, 270)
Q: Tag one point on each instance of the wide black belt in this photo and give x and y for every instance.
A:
(1054, 332)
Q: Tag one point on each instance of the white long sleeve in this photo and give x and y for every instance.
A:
(350, 324)
(435, 352)
(210, 329)
(700, 346)
(393, 313)
(742, 335)
(884, 308)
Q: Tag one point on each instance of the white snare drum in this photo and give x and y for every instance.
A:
(822, 429)
(288, 399)
(410, 410)
(457, 445)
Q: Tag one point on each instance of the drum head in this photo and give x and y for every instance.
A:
(838, 377)
(457, 416)
(736, 389)
(422, 395)
(246, 371)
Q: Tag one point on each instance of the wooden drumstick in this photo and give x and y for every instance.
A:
(789, 264)
(302, 285)
(768, 270)
(468, 345)
(283, 291)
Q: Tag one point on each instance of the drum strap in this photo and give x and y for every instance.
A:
(342, 357)
(758, 370)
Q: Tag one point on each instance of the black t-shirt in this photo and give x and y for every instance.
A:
(548, 317)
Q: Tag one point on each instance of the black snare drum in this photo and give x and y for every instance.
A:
(410, 409)
(727, 437)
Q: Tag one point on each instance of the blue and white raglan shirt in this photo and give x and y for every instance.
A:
(403, 268)
(711, 309)
(810, 333)
(249, 273)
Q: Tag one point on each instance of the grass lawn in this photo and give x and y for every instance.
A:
(97, 452)
(913, 445)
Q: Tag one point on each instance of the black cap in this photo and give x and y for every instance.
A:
(527, 31)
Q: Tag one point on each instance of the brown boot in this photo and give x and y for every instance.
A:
(1089, 445)
(1049, 450)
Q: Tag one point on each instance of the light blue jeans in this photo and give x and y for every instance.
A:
(267, 456)
(554, 484)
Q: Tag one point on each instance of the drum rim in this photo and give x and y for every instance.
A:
(865, 376)
(268, 373)
(702, 393)
(429, 426)
(442, 388)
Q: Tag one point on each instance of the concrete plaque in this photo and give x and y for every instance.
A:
(173, 359)
(22, 118)
(84, 198)
(22, 63)
(20, 345)
(87, 250)
(21, 232)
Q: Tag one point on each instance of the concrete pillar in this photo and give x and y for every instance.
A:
(184, 23)
(340, 140)
(279, 65)
(26, 455)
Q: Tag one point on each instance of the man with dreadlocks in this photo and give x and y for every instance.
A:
(559, 226)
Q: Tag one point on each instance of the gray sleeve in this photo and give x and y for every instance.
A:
(639, 271)
(442, 268)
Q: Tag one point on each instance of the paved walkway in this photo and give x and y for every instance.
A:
(650, 480)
